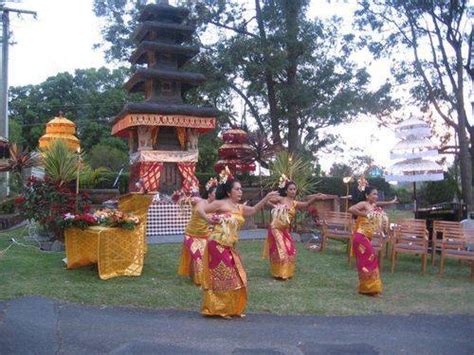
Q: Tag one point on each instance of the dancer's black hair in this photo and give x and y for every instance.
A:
(283, 191)
(358, 196)
(206, 193)
(223, 190)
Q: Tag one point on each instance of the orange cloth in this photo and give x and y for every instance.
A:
(117, 251)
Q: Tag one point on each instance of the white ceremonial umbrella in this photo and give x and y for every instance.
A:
(414, 150)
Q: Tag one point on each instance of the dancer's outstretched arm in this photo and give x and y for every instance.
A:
(394, 201)
(203, 209)
(251, 210)
(312, 198)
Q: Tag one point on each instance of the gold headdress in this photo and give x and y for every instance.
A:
(362, 183)
(283, 181)
(225, 175)
(211, 183)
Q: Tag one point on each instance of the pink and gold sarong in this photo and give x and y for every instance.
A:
(225, 280)
(280, 246)
(194, 244)
(366, 260)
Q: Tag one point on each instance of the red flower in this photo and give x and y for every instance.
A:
(20, 200)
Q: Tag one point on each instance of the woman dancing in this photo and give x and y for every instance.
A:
(225, 280)
(195, 237)
(279, 244)
(370, 219)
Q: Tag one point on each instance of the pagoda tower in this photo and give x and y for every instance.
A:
(163, 130)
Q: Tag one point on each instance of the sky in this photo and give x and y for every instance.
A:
(62, 36)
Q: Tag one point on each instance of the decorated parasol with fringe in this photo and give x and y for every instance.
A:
(416, 153)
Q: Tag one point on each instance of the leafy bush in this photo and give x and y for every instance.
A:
(105, 156)
(433, 192)
(108, 178)
(332, 186)
(90, 178)
(46, 202)
(7, 206)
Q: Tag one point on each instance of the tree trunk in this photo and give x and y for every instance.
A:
(270, 83)
(465, 157)
(291, 8)
(465, 160)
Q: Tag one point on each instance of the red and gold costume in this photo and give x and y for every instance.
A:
(225, 280)
(194, 244)
(279, 245)
(367, 263)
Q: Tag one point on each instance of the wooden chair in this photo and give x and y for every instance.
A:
(337, 225)
(455, 246)
(411, 237)
(406, 221)
(439, 229)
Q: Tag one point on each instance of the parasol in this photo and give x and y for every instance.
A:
(416, 153)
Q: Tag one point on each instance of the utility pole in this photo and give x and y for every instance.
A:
(5, 13)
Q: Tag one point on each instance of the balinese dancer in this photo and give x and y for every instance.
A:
(195, 237)
(280, 246)
(225, 280)
(370, 219)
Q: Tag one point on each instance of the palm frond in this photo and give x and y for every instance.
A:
(60, 163)
(89, 178)
(296, 169)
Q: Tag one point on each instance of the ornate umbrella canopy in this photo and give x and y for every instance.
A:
(414, 149)
(236, 153)
(60, 128)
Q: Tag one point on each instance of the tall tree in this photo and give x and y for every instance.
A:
(293, 74)
(426, 42)
(89, 97)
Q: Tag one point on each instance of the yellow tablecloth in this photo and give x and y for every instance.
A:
(117, 251)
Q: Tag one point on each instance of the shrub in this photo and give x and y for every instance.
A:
(60, 163)
(7, 206)
(46, 202)
(105, 156)
(433, 192)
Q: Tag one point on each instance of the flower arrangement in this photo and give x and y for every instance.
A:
(116, 218)
(105, 217)
(81, 221)
(178, 195)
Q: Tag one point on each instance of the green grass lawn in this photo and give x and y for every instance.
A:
(323, 284)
